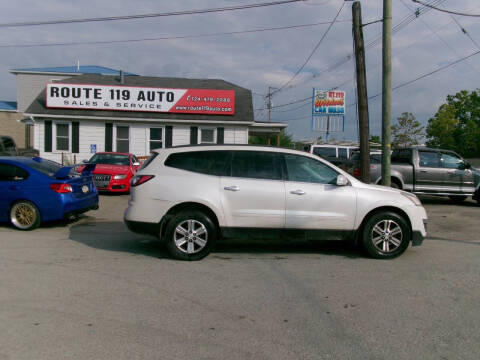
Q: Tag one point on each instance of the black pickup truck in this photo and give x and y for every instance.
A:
(9, 148)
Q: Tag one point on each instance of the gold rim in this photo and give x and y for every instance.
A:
(23, 215)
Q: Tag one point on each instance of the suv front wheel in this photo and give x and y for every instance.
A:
(386, 235)
(190, 235)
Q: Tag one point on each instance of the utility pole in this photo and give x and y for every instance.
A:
(269, 103)
(361, 92)
(386, 90)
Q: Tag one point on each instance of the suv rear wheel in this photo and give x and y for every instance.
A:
(386, 235)
(190, 235)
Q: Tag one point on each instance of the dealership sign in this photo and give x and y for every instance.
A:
(130, 98)
(328, 102)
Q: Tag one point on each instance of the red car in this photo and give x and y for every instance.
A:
(114, 171)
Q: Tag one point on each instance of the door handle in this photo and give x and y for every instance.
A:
(451, 171)
(298, 192)
(423, 171)
(232, 188)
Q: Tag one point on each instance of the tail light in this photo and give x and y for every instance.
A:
(140, 179)
(61, 188)
(357, 172)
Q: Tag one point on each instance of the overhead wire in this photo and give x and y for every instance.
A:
(173, 37)
(370, 45)
(446, 11)
(312, 52)
(150, 15)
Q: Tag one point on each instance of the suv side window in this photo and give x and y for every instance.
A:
(256, 165)
(204, 162)
(342, 153)
(325, 151)
(430, 159)
(402, 156)
(451, 161)
(10, 172)
(304, 169)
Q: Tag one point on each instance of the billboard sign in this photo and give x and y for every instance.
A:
(328, 102)
(131, 98)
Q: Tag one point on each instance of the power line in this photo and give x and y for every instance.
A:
(373, 43)
(151, 15)
(173, 37)
(424, 75)
(313, 51)
(446, 11)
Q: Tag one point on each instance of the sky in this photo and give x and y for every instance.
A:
(258, 60)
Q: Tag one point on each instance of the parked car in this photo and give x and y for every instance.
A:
(35, 190)
(430, 171)
(190, 196)
(9, 148)
(113, 170)
(338, 155)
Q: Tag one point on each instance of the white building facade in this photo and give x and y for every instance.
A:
(78, 116)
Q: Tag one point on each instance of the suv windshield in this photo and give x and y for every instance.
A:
(110, 159)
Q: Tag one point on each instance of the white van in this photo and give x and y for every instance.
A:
(330, 151)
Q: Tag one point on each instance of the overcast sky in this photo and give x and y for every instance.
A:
(256, 60)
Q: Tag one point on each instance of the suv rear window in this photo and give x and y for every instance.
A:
(204, 162)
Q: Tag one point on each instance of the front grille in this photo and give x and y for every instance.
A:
(101, 180)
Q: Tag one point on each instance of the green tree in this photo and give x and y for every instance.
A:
(456, 125)
(441, 128)
(375, 139)
(285, 140)
(407, 132)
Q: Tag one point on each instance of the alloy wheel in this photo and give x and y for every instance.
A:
(190, 236)
(23, 215)
(387, 236)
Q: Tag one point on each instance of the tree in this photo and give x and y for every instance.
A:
(456, 125)
(375, 139)
(408, 132)
(441, 128)
(285, 140)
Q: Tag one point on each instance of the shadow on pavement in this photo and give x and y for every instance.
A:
(114, 236)
(444, 200)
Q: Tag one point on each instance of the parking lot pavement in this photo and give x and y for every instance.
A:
(93, 290)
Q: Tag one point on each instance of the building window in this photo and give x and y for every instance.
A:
(62, 137)
(207, 136)
(123, 139)
(156, 138)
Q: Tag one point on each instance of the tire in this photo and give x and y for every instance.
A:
(394, 184)
(386, 235)
(24, 215)
(457, 198)
(190, 235)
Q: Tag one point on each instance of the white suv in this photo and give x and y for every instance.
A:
(192, 196)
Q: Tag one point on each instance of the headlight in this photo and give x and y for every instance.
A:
(119, 177)
(412, 197)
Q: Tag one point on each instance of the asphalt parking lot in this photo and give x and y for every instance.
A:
(90, 289)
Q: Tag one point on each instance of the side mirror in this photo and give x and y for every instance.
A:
(342, 180)
(85, 161)
(464, 166)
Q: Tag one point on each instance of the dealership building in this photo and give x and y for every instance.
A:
(77, 113)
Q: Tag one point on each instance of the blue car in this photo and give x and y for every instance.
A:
(35, 190)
